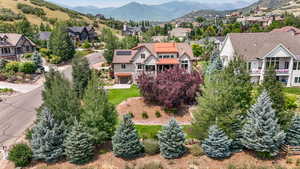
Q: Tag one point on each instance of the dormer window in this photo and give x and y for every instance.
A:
(143, 56)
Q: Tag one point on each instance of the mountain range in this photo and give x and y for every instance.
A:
(162, 12)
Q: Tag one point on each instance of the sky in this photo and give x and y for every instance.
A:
(117, 3)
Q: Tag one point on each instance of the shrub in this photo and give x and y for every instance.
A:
(86, 45)
(27, 55)
(145, 115)
(28, 134)
(21, 155)
(45, 52)
(7, 14)
(151, 146)
(131, 114)
(157, 114)
(290, 102)
(298, 162)
(196, 150)
(55, 59)
(31, 10)
(27, 67)
(3, 62)
(171, 88)
(12, 66)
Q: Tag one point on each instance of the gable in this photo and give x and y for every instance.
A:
(137, 57)
(150, 60)
(280, 51)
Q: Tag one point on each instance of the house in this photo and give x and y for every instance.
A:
(292, 29)
(180, 33)
(13, 45)
(82, 33)
(218, 41)
(261, 20)
(265, 49)
(159, 38)
(133, 31)
(150, 58)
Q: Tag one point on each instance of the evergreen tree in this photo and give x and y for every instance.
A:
(37, 60)
(226, 96)
(47, 138)
(98, 115)
(293, 133)
(81, 74)
(217, 145)
(275, 90)
(78, 145)
(60, 98)
(261, 131)
(126, 143)
(112, 43)
(60, 42)
(171, 140)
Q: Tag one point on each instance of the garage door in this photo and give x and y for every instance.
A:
(124, 80)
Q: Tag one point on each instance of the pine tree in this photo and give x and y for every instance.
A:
(81, 74)
(171, 140)
(261, 131)
(47, 138)
(126, 142)
(37, 60)
(60, 98)
(293, 133)
(275, 90)
(217, 145)
(98, 115)
(60, 42)
(78, 145)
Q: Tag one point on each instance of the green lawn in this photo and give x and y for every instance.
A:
(292, 90)
(116, 96)
(150, 131)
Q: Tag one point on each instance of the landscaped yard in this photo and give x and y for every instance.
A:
(116, 96)
(292, 90)
(150, 131)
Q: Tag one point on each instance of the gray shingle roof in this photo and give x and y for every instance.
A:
(45, 35)
(251, 46)
(13, 39)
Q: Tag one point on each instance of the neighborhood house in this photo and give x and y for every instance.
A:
(180, 33)
(150, 58)
(13, 45)
(279, 49)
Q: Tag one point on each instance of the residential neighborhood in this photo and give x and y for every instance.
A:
(179, 85)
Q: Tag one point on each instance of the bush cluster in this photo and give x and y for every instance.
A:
(25, 67)
(21, 155)
(151, 146)
(27, 9)
(8, 15)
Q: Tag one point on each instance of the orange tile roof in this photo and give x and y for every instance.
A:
(169, 61)
(165, 48)
(123, 74)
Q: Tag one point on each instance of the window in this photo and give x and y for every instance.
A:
(27, 48)
(295, 65)
(297, 80)
(249, 65)
(143, 56)
(5, 50)
(185, 64)
(298, 68)
(123, 66)
(139, 66)
(150, 68)
(274, 62)
(286, 65)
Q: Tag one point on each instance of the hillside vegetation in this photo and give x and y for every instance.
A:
(37, 11)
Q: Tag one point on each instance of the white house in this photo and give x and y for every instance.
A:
(150, 58)
(260, 50)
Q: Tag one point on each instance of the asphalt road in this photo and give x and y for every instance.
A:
(18, 113)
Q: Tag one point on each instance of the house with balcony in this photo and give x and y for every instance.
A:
(278, 49)
(13, 46)
(150, 58)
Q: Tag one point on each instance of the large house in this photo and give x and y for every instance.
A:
(180, 33)
(82, 33)
(280, 49)
(150, 58)
(13, 45)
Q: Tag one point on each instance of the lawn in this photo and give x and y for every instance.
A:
(116, 96)
(292, 90)
(150, 131)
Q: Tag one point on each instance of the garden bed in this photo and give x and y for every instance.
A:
(109, 161)
(147, 114)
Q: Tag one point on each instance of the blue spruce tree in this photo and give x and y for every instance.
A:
(125, 142)
(261, 131)
(79, 145)
(217, 145)
(171, 140)
(47, 138)
(293, 133)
